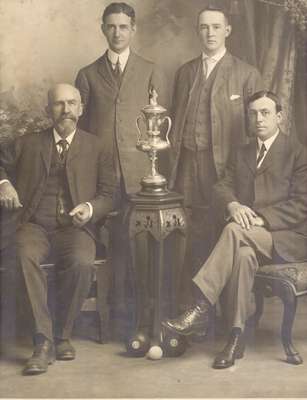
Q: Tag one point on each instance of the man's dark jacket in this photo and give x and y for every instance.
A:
(26, 163)
(277, 191)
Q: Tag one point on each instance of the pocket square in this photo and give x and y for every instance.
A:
(234, 96)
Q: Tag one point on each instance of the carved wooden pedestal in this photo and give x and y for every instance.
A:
(157, 235)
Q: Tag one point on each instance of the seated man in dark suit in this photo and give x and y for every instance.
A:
(54, 187)
(263, 195)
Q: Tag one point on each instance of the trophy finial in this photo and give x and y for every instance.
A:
(153, 95)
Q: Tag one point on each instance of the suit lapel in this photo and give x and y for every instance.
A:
(195, 70)
(222, 73)
(46, 147)
(129, 71)
(249, 155)
(273, 154)
(105, 71)
(74, 148)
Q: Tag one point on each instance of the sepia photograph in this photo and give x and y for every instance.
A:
(153, 199)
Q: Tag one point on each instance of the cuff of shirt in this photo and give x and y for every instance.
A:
(91, 208)
(3, 181)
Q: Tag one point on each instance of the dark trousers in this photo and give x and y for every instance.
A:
(73, 250)
(195, 179)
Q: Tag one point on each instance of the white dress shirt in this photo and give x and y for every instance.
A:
(122, 57)
(210, 62)
(268, 143)
(57, 138)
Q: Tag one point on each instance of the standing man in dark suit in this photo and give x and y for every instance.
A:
(209, 97)
(264, 197)
(114, 89)
(55, 186)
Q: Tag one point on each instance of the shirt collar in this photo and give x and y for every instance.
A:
(217, 57)
(123, 57)
(57, 137)
(268, 143)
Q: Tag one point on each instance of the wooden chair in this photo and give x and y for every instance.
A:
(288, 282)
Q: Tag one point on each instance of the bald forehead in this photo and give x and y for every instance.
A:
(63, 91)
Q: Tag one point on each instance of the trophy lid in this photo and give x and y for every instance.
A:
(153, 107)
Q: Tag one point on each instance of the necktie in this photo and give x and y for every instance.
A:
(62, 216)
(117, 71)
(261, 155)
(63, 149)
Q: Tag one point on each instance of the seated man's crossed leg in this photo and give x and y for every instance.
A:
(232, 263)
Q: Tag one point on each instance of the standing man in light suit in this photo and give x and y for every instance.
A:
(55, 187)
(263, 196)
(208, 112)
(114, 89)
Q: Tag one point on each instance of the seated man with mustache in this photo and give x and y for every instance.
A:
(54, 187)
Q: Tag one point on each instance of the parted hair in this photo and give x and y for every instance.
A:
(215, 7)
(117, 8)
(265, 93)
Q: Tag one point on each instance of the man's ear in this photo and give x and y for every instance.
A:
(279, 117)
(228, 30)
(133, 28)
(81, 109)
(102, 27)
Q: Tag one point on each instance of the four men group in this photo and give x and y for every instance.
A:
(55, 187)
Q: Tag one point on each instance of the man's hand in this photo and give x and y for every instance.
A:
(9, 198)
(81, 214)
(243, 215)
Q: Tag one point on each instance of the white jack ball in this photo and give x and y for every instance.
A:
(155, 353)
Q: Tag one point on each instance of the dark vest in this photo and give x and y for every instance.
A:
(197, 130)
(55, 202)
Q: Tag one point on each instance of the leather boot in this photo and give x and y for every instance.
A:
(64, 350)
(233, 350)
(193, 321)
(43, 355)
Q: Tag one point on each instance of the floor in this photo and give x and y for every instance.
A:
(105, 371)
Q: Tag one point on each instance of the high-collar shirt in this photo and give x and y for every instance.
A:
(210, 62)
(122, 58)
(267, 143)
(57, 138)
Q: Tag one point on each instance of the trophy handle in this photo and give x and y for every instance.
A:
(168, 129)
(139, 134)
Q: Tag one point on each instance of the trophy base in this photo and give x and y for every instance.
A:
(154, 186)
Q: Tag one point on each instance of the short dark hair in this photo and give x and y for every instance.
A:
(265, 93)
(117, 8)
(212, 7)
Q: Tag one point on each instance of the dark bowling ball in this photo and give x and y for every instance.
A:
(138, 345)
(173, 345)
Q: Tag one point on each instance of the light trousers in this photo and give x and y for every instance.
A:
(232, 266)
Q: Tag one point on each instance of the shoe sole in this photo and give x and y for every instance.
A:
(189, 333)
(238, 356)
(222, 366)
(36, 371)
(65, 358)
